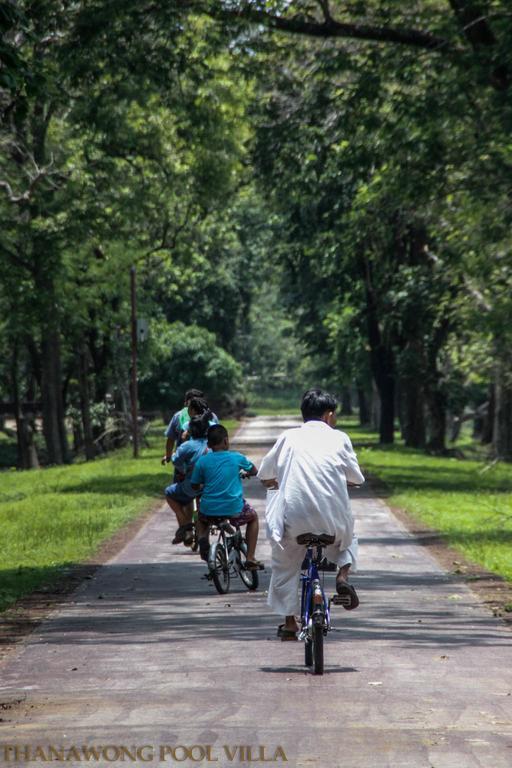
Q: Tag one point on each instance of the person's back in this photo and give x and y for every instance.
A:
(185, 459)
(312, 465)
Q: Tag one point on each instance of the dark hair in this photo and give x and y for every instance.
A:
(216, 434)
(190, 393)
(199, 405)
(198, 426)
(315, 402)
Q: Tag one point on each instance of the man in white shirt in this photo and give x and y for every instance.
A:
(307, 472)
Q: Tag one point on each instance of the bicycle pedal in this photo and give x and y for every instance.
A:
(341, 600)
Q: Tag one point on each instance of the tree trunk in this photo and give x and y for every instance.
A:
(346, 402)
(364, 411)
(27, 453)
(375, 407)
(387, 415)
(52, 406)
(85, 406)
(503, 412)
(413, 417)
(382, 366)
(436, 407)
(54, 427)
(487, 430)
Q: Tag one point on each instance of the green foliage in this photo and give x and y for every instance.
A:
(183, 356)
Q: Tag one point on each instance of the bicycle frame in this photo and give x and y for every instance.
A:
(234, 549)
(314, 609)
(230, 542)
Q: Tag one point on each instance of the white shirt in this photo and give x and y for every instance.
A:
(312, 464)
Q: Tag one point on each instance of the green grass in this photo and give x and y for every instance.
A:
(51, 518)
(274, 403)
(468, 501)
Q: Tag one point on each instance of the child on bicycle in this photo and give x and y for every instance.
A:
(174, 431)
(218, 472)
(180, 494)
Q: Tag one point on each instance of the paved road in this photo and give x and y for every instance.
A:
(147, 653)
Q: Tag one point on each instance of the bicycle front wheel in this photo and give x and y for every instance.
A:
(249, 578)
(219, 567)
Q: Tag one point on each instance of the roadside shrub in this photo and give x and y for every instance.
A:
(181, 356)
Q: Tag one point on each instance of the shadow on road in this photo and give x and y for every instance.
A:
(167, 602)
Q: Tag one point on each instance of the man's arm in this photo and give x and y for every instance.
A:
(268, 468)
(351, 467)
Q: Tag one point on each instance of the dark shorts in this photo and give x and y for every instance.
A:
(247, 515)
(176, 493)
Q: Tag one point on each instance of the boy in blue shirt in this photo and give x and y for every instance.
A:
(180, 494)
(218, 472)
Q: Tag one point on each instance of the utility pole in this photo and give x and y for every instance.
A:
(134, 392)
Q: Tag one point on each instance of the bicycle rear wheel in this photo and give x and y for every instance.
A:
(308, 652)
(249, 578)
(219, 567)
(317, 649)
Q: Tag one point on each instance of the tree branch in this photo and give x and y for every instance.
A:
(40, 173)
(329, 27)
(169, 243)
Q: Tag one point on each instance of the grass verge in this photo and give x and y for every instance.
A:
(53, 518)
(469, 502)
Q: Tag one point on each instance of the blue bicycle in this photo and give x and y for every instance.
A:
(315, 615)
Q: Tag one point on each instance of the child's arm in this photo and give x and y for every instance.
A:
(197, 476)
(179, 460)
(246, 466)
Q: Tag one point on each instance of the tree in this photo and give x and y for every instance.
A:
(181, 355)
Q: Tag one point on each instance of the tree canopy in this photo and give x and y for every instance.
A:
(309, 190)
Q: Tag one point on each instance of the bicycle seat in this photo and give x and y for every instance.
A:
(221, 522)
(315, 539)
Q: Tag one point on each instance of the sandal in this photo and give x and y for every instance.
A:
(188, 536)
(348, 594)
(179, 535)
(286, 634)
(254, 565)
(204, 548)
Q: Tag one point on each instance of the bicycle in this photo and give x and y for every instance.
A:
(227, 557)
(315, 609)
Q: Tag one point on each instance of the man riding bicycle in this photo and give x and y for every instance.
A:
(310, 467)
